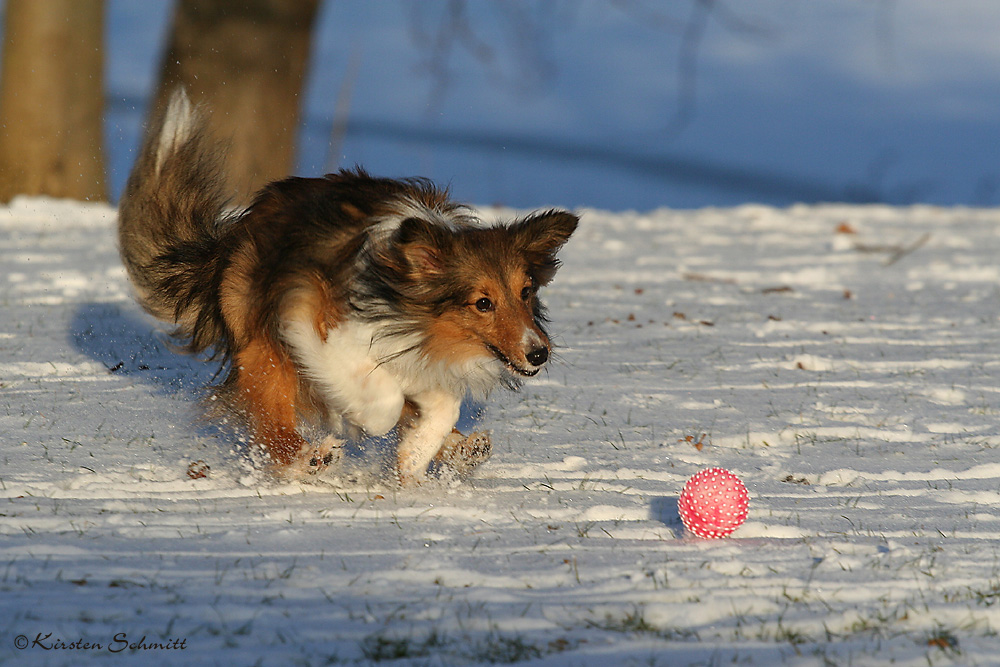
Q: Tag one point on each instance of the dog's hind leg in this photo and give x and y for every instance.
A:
(266, 392)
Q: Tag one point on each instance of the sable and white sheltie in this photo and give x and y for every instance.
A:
(344, 302)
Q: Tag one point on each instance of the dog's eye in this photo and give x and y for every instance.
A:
(484, 305)
(526, 293)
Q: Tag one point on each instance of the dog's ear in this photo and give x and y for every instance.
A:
(540, 237)
(422, 245)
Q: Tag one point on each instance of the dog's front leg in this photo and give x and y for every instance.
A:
(437, 413)
(352, 384)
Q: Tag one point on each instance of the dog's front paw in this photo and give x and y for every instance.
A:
(464, 453)
(379, 415)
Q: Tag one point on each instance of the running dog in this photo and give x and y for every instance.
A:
(345, 302)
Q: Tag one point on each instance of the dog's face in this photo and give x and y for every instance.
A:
(502, 313)
(480, 286)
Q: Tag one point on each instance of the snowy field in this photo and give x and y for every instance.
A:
(841, 360)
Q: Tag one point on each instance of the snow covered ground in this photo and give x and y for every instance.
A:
(841, 360)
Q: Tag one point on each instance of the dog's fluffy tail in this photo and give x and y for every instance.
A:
(171, 219)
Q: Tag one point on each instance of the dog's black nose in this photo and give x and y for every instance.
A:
(537, 356)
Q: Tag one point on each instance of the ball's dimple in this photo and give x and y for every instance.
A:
(713, 503)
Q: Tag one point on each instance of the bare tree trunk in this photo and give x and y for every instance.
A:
(52, 102)
(247, 62)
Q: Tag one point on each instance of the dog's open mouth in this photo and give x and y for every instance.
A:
(511, 366)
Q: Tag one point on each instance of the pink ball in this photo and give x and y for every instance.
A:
(714, 503)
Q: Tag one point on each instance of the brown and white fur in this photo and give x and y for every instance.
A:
(345, 301)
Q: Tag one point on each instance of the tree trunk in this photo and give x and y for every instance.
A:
(52, 102)
(246, 62)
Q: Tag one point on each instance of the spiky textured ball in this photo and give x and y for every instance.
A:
(714, 503)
